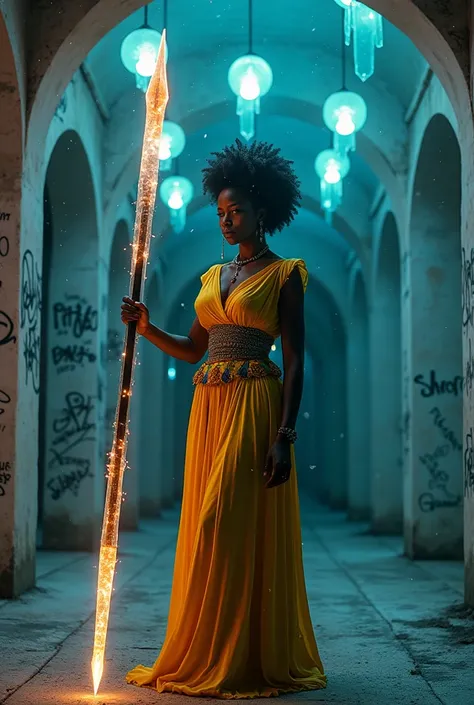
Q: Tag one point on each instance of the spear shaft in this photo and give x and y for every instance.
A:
(156, 101)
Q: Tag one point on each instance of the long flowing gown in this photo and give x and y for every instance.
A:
(239, 624)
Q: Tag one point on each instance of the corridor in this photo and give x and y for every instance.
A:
(345, 132)
(389, 629)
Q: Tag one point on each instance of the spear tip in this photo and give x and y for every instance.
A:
(157, 94)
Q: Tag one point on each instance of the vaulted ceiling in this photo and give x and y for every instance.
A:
(302, 41)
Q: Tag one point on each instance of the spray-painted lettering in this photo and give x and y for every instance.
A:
(439, 387)
(30, 310)
(74, 319)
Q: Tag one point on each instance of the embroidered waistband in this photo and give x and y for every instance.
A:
(232, 342)
(226, 371)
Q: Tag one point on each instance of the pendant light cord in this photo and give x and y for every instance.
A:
(165, 14)
(145, 11)
(250, 28)
(343, 52)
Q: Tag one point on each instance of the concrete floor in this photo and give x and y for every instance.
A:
(388, 629)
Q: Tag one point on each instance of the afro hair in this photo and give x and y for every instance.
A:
(262, 174)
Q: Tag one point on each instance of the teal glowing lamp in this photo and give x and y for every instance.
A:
(365, 26)
(345, 114)
(177, 192)
(172, 143)
(250, 77)
(171, 371)
(331, 168)
(139, 52)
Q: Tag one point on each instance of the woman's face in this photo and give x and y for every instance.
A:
(238, 218)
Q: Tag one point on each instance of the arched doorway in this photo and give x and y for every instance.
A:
(73, 471)
(358, 403)
(385, 386)
(433, 474)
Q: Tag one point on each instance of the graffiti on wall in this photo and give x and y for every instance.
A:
(438, 387)
(5, 476)
(74, 317)
(66, 358)
(439, 495)
(73, 429)
(30, 317)
(7, 335)
(468, 465)
(467, 291)
(5, 399)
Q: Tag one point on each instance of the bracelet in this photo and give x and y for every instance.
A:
(289, 433)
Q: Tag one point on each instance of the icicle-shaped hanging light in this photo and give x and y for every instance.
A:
(365, 27)
(177, 192)
(345, 114)
(331, 169)
(250, 77)
(139, 52)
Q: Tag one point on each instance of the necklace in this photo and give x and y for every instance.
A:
(239, 263)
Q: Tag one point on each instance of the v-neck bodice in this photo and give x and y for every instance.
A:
(241, 283)
(253, 302)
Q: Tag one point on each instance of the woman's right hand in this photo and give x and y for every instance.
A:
(135, 311)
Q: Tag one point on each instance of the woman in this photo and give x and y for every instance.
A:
(239, 623)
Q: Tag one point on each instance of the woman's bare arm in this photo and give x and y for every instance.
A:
(291, 311)
(190, 348)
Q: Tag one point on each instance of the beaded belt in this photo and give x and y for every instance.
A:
(236, 352)
(230, 342)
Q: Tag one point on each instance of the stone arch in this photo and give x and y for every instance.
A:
(73, 491)
(358, 400)
(327, 341)
(385, 387)
(433, 492)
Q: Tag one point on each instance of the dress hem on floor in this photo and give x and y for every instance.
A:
(228, 695)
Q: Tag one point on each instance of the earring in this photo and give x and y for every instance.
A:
(223, 243)
(260, 231)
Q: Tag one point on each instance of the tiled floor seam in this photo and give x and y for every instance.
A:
(353, 580)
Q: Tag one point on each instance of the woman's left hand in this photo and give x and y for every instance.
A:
(278, 463)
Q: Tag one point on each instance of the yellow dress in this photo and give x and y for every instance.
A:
(239, 624)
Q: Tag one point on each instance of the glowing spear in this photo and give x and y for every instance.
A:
(156, 101)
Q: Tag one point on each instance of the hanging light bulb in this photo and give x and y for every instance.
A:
(171, 371)
(344, 113)
(177, 193)
(249, 86)
(173, 141)
(250, 77)
(367, 29)
(175, 201)
(139, 52)
(331, 168)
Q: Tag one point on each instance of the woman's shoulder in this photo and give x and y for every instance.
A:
(208, 273)
(289, 265)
